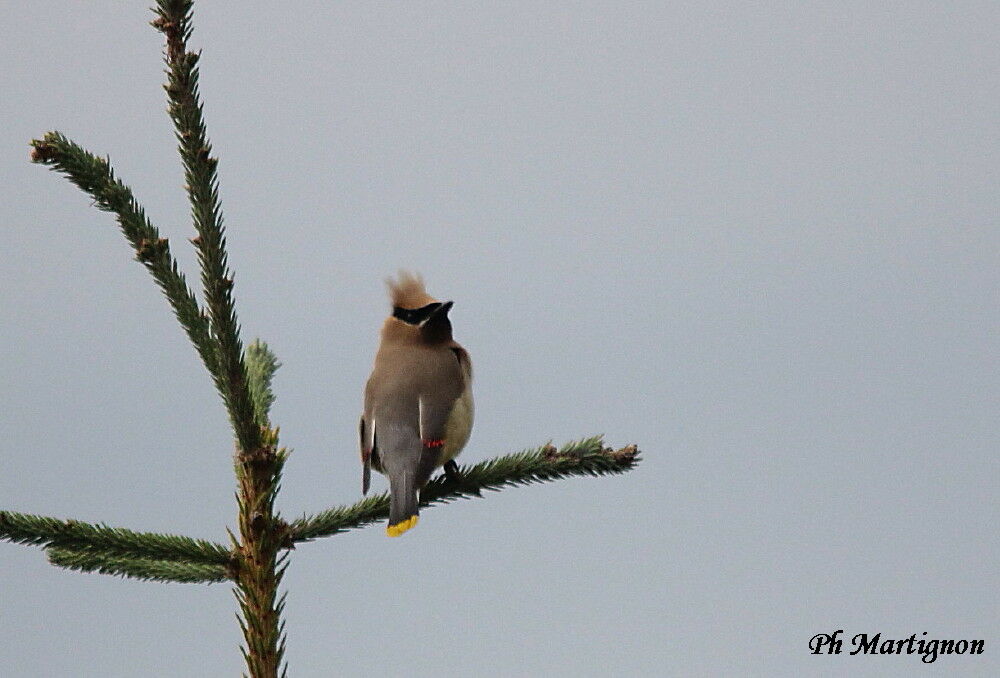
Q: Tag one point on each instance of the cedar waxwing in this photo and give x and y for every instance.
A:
(418, 400)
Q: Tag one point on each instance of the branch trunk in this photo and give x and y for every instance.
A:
(258, 461)
(261, 569)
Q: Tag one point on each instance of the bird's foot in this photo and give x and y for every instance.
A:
(451, 472)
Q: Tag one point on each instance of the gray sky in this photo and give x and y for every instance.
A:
(759, 241)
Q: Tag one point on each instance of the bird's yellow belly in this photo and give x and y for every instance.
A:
(458, 427)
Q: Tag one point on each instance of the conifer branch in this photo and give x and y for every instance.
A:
(148, 569)
(24, 528)
(174, 21)
(258, 458)
(96, 178)
(584, 457)
(257, 558)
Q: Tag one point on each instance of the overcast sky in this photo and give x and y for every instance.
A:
(759, 240)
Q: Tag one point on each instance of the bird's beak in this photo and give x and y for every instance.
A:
(442, 310)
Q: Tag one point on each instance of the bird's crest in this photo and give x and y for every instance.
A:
(407, 291)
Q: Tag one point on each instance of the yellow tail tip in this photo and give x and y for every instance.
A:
(401, 527)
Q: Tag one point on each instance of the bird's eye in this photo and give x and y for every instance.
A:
(414, 316)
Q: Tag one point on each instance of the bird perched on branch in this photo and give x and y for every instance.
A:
(418, 400)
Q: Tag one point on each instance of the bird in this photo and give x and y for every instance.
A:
(418, 405)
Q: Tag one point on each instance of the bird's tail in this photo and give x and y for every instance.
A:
(403, 512)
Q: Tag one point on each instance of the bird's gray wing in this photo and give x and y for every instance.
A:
(366, 435)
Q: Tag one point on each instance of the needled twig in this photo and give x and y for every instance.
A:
(584, 457)
(147, 569)
(96, 178)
